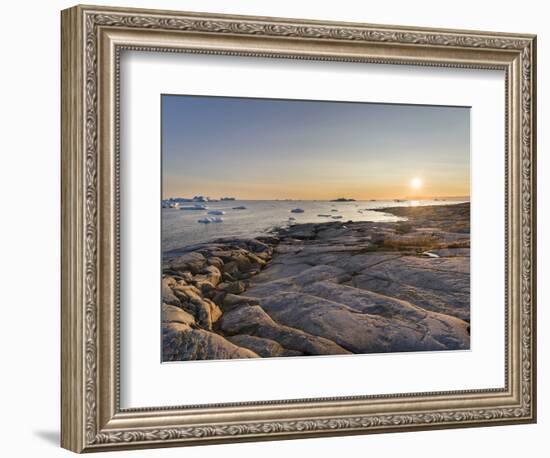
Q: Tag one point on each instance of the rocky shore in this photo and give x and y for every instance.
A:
(323, 289)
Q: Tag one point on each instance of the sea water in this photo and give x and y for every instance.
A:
(181, 228)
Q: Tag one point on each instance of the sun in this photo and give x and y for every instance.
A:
(416, 183)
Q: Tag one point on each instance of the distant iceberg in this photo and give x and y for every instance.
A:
(216, 212)
(240, 207)
(324, 216)
(227, 198)
(208, 220)
(337, 217)
(198, 198)
(170, 203)
(297, 210)
(195, 207)
(343, 199)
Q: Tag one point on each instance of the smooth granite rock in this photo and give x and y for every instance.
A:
(183, 343)
(253, 320)
(331, 288)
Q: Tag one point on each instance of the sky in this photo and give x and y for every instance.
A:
(268, 149)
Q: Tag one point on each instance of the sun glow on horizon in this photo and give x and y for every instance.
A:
(416, 183)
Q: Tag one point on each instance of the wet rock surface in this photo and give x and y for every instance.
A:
(323, 289)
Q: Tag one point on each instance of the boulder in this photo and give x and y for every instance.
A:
(193, 262)
(186, 293)
(236, 287)
(208, 279)
(175, 314)
(213, 274)
(230, 268)
(262, 347)
(253, 320)
(214, 310)
(183, 343)
(215, 261)
(232, 300)
(168, 295)
(244, 261)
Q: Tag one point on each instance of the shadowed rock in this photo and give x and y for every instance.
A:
(253, 320)
(177, 315)
(192, 262)
(263, 347)
(183, 343)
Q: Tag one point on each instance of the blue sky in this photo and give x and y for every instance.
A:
(286, 149)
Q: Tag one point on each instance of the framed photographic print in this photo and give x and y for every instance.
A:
(278, 228)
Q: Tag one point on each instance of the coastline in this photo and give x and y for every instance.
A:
(323, 289)
(181, 228)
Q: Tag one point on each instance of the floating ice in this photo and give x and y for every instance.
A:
(195, 207)
(208, 220)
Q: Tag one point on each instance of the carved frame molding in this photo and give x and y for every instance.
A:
(92, 39)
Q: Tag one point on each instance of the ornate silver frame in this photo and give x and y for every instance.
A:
(92, 39)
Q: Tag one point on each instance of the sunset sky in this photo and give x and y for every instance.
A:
(283, 149)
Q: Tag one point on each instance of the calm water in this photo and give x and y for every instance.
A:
(181, 227)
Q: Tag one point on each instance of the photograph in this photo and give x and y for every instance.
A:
(298, 228)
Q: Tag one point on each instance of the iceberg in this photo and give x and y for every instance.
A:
(240, 207)
(195, 207)
(208, 220)
(297, 210)
(170, 203)
(216, 212)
